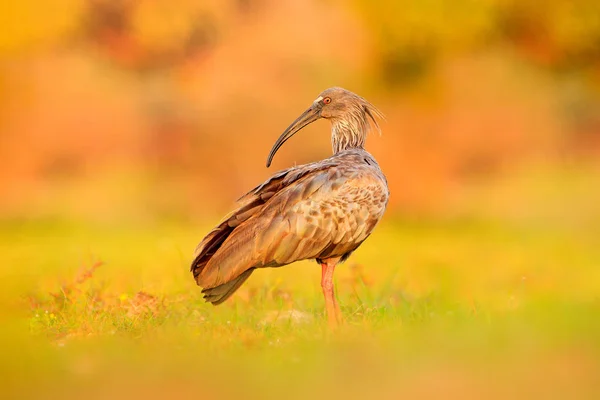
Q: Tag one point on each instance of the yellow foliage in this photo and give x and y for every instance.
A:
(33, 24)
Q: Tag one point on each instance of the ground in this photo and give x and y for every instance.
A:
(496, 303)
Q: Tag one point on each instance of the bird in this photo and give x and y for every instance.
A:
(319, 211)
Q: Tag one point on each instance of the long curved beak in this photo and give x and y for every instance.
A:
(307, 117)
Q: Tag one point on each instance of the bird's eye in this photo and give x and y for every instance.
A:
(327, 100)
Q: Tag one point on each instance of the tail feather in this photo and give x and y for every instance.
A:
(220, 293)
(209, 277)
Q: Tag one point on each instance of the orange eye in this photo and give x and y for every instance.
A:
(327, 100)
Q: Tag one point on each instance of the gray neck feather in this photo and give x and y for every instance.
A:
(349, 132)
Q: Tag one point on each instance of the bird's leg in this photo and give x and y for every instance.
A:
(334, 315)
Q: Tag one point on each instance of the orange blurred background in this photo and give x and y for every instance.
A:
(143, 109)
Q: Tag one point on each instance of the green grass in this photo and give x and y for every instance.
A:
(478, 307)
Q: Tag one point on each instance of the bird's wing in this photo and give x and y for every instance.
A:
(319, 212)
(248, 205)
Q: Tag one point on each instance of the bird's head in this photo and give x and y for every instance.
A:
(351, 117)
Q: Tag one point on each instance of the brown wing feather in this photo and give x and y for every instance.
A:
(248, 205)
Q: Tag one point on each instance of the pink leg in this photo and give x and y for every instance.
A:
(334, 315)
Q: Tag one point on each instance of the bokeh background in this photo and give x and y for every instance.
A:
(128, 127)
(145, 109)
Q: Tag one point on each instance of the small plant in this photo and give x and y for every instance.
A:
(77, 309)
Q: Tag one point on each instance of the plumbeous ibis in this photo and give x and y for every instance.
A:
(322, 210)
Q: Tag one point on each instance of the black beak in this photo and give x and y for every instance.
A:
(307, 117)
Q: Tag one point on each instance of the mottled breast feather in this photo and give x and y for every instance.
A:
(314, 211)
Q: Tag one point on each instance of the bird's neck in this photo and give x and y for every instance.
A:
(347, 134)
